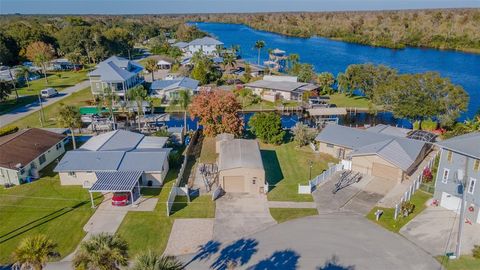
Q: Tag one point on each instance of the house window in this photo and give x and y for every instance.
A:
(73, 174)
(449, 156)
(445, 175)
(42, 159)
(476, 164)
(254, 180)
(329, 145)
(471, 185)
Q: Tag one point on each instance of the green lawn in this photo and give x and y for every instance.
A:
(79, 98)
(419, 199)
(267, 105)
(464, 263)
(208, 154)
(151, 230)
(43, 207)
(286, 166)
(285, 214)
(342, 100)
(57, 80)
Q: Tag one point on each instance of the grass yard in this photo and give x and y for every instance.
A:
(43, 207)
(79, 98)
(286, 166)
(464, 263)
(57, 80)
(285, 214)
(342, 100)
(208, 154)
(151, 230)
(419, 199)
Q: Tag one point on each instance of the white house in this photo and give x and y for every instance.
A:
(207, 45)
(24, 153)
(273, 88)
(168, 89)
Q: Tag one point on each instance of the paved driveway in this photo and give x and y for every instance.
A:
(435, 230)
(330, 241)
(18, 113)
(239, 215)
(349, 199)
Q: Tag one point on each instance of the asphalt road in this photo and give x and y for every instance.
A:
(18, 113)
(328, 241)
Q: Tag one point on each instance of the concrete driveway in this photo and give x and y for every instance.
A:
(330, 241)
(239, 215)
(435, 230)
(349, 199)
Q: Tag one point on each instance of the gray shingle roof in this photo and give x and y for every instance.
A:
(205, 41)
(179, 83)
(240, 153)
(467, 144)
(401, 152)
(115, 181)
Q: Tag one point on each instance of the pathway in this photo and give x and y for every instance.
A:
(279, 204)
(329, 241)
(21, 112)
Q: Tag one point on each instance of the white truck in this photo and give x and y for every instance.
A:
(48, 92)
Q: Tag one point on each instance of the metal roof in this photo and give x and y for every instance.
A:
(239, 153)
(467, 144)
(181, 44)
(152, 142)
(327, 111)
(389, 130)
(78, 160)
(117, 140)
(288, 86)
(116, 181)
(146, 161)
(116, 69)
(205, 41)
(178, 83)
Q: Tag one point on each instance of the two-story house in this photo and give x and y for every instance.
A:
(207, 45)
(118, 74)
(460, 153)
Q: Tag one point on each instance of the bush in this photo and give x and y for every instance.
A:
(175, 159)
(476, 251)
(267, 127)
(302, 133)
(7, 130)
(407, 208)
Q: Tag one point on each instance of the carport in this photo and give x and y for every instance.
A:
(116, 181)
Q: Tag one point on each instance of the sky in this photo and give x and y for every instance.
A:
(215, 6)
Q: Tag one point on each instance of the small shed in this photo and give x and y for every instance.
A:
(240, 167)
(163, 64)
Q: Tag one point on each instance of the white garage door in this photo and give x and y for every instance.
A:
(450, 202)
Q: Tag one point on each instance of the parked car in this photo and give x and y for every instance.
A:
(49, 92)
(120, 198)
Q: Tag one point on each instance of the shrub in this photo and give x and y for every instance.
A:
(407, 208)
(175, 159)
(267, 127)
(303, 135)
(476, 251)
(7, 130)
(427, 175)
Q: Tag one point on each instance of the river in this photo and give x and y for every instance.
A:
(335, 56)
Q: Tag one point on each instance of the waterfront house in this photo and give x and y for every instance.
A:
(24, 153)
(373, 152)
(273, 88)
(114, 158)
(459, 153)
(118, 74)
(207, 45)
(240, 165)
(168, 89)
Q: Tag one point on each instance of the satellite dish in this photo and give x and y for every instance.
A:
(18, 165)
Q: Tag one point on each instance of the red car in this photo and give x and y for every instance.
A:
(120, 198)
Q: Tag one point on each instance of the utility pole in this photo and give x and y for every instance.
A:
(462, 178)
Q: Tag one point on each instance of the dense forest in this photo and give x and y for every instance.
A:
(457, 29)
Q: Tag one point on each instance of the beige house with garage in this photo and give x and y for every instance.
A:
(240, 165)
(374, 152)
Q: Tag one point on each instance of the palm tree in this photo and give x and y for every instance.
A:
(229, 60)
(109, 98)
(293, 59)
(183, 100)
(102, 251)
(139, 94)
(69, 116)
(151, 66)
(259, 45)
(152, 261)
(24, 72)
(33, 252)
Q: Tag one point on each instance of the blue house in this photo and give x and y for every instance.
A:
(460, 153)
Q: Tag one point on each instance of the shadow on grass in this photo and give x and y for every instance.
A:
(273, 170)
(180, 203)
(151, 191)
(40, 221)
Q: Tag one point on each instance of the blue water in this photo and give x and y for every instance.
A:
(334, 56)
